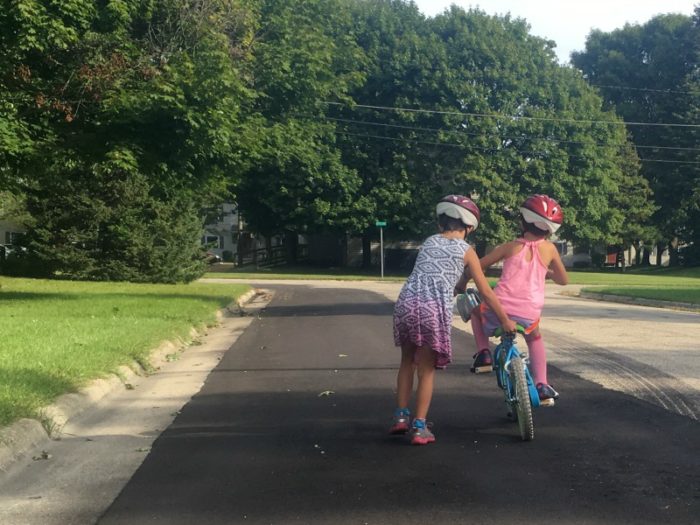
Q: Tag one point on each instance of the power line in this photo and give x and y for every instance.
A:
(453, 145)
(530, 137)
(668, 91)
(512, 117)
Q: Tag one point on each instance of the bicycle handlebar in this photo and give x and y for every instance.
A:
(518, 328)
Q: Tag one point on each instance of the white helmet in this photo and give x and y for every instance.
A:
(461, 208)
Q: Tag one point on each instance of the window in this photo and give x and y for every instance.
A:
(13, 237)
(211, 241)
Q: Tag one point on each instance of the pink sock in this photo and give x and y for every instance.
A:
(538, 359)
(482, 342)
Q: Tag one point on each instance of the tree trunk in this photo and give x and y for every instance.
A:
(291, 243)
(620, 258)
(673, 252)
(638, 246)
(366, 250)
(268, 249)
(646, 256)
(660, 247)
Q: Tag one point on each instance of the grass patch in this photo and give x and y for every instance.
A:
(56, 336)
(659, 277)
(303, 273)
(667, 284)
(633, 279)
(682, 295)
(661, 284)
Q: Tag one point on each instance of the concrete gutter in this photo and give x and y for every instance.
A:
(26, 435)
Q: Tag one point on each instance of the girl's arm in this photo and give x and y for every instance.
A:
(461, 285)
(471, 261)
(557, 271)
(498, 253)
(493, 257)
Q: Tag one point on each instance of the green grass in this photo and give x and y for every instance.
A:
(56, 336)
(683, 295)
(304, 273)
(678, 284)
(662, 284)
(690, 277)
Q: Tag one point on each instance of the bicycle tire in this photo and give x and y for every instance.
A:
(521, 403)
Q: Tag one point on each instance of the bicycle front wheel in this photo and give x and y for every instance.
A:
(521, 401)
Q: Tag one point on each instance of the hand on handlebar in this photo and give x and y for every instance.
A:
(510, 327)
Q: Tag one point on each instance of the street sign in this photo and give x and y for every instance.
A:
(381, 224)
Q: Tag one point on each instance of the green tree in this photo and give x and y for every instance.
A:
(142, 121)
(489, 113)
(296, 181)
(645, 72)
(401, 167)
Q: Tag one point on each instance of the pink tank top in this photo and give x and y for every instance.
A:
(521, 286)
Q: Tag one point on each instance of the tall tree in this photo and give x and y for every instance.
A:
(141, 113)
(488, 112)
(296, 182)
(645, 73)
(401, 165)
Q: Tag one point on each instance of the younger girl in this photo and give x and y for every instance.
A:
(423, 311)
(528, 261)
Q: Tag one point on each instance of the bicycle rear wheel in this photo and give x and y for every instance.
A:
(521, 403)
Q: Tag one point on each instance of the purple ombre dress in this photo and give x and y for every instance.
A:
(423, 311)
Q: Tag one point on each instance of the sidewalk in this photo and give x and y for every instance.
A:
(27, 434)
(104, 441)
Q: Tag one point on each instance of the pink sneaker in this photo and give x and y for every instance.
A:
(402, 421)
(420, 434)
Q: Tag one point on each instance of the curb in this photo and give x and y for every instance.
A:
(23, 435)
(687, 307)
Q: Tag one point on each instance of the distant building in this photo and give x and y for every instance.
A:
(221, 234)
(10, 233)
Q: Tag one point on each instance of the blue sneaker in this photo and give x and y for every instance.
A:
(420, 434)
(402, 421)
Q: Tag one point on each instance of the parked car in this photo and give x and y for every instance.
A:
(7, 250)
(213, 258)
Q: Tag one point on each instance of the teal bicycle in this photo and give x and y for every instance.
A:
(511, 368)
(514, 378)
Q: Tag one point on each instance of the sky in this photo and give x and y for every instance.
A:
(568, 22)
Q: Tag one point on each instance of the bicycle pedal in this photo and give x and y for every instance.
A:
(547, 402)
(482, 370)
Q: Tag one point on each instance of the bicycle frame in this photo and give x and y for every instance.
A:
(503, 355)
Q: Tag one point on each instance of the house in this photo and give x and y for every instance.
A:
(222, 231)
(225, 235)
(10, 234)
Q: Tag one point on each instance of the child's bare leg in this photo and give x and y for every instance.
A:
(483, 362)
(404, 379)
(482, 342)
(426, 378)
(538, 367)
(538, 356)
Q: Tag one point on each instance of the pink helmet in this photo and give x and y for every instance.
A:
(542, 211)
(459, 207)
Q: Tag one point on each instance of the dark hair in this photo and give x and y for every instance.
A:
(450, 224)
(531, 228)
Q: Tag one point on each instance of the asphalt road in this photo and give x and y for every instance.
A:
(290, 427)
